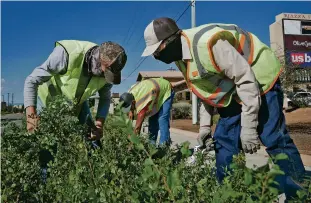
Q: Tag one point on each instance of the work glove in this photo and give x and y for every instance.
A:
(205, 138)
(205, 144)
(249, 140)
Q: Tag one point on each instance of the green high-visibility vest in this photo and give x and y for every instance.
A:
(154, 90)
(75, 84)
(203, 76)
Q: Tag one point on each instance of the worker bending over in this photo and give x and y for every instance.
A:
(76, 70)
(232, 70)
(151, 98)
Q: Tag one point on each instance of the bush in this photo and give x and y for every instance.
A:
(181, 110)
(126, 169)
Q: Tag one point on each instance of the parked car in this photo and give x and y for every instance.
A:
(299, 99)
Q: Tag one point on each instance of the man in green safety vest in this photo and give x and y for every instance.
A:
(151, 98)
(77, 70)
(232, 70)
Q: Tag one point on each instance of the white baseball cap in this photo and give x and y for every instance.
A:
(157, 31)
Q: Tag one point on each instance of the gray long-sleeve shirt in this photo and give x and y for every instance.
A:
(236, 68)
(56, 64)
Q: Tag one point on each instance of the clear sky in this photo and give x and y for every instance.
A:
(29, 29)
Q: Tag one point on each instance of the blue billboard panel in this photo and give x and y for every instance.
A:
(299, 59)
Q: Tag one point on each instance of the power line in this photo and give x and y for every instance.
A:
(185, 11)
(140, 61)
(141, 37)
(128, 31)
(138, 41)
(132, 32)
(137, 66)
(133, 29)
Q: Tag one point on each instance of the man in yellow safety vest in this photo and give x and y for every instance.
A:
(151, 98)
(232, 70)
(77, 70)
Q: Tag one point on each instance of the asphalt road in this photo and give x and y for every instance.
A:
(16, 118)
(10, 117)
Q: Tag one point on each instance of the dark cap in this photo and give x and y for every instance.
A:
(112, 55)
(127, 99)
(157, 31)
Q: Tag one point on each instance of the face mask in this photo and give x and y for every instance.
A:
(172, 52)
(93, 61)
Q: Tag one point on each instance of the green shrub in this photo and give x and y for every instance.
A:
(182, 110)
(126, 169)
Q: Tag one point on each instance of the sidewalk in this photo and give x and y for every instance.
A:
(258, 159)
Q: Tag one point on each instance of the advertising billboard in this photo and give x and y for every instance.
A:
(299, 59)
(306, 27)
(297, 43)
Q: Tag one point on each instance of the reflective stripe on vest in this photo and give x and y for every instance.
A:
(151, 93)
(245, 46)
(216, 99)
(154, 94)
(155, 103)
(203, 76)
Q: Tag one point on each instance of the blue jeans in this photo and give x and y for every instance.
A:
(85, 110)
(161, 120)
(272, 133)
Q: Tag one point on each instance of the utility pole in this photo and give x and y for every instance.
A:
(194, 97)
(12, 99)
(8, 99)
(3, 98)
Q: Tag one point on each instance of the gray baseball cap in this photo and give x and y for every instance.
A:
(157, 31)
(115, 55)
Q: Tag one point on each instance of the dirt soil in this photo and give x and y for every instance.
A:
(298, 123)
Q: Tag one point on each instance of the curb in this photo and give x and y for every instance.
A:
(183, 132)
(306, 159)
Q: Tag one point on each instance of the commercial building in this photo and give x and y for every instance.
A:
(290, 38)
(172, 75)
